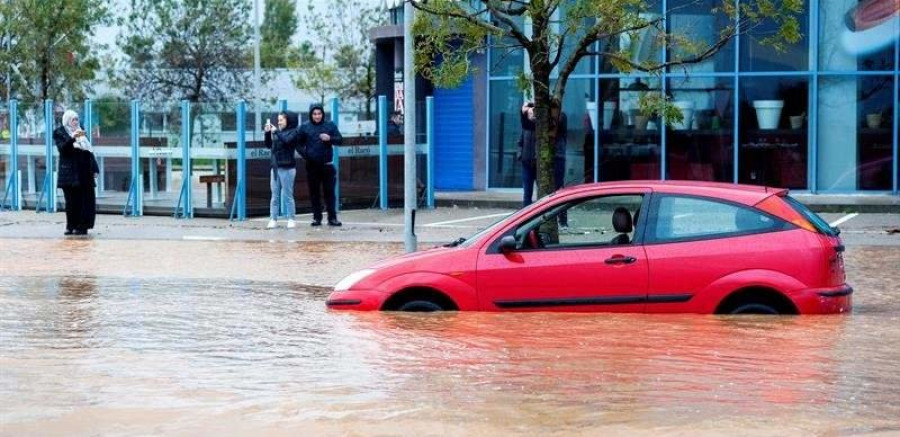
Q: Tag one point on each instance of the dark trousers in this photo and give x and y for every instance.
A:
(321, 178)
(81, 208)
(529, 174)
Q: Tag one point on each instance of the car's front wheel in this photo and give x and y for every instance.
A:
(754, 308)
(420, 306)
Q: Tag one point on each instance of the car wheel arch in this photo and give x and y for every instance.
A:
(755, 298)
(755, 279)
(457, 290)
(419, 293)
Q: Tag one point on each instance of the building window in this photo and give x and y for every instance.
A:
(629, 139)
(505, 128)
(756, 56)
(855, 133)
(643, 46)
(701, 146)
(773, 131)
(695, 19)
(857, 35)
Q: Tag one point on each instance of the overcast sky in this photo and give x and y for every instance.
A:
(107, 34)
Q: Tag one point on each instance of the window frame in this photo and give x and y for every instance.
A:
(639, 227)
(650, 235)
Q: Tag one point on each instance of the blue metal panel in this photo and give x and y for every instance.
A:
(453, 142)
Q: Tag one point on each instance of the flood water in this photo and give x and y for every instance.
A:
(87, 353)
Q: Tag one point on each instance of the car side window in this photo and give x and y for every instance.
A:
(686, 218)
(595, 221)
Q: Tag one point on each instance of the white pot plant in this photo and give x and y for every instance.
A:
(768, 113)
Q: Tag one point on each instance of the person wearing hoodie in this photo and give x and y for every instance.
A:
(316, 139)
(281, 141)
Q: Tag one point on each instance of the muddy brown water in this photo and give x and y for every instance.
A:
(217, 347)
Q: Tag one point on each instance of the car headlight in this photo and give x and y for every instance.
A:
(352, 279)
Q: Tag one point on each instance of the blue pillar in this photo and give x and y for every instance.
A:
(185, 206)
(239, 204)
(12, 185)
(49, 190)
(14, 155)
(282, 105)
(382, 152)
(336, 158)
(429, 159)
(134, 204)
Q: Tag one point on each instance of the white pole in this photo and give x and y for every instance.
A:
(409, 131)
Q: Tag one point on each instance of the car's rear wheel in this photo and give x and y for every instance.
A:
(420, 306)
(754, 308)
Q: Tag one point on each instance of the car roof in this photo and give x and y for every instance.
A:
(746, 194)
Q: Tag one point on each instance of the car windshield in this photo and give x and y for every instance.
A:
(477, 236)
(818, 222)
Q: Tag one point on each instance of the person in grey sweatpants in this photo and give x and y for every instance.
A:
(282, 142)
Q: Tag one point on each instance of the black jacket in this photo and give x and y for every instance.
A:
(313, 148)
(283, 143)
(76, 166)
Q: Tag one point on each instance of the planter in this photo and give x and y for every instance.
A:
(796, 121)
(873, 121)
(687, 114)
(768, 113)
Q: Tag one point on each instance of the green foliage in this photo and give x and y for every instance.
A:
(186, 49)
(278, 28)
(46, 48)
(342, 37)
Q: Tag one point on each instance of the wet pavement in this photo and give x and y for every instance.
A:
(125, 335)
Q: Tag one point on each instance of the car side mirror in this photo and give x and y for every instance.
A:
(507, 244)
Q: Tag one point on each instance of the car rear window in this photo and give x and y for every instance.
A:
(818, 222)
(683, 217)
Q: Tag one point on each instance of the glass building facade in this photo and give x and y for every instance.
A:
(819, 116)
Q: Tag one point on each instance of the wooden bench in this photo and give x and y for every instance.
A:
(209, 180)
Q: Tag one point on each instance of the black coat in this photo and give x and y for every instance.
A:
(312, 147)
(76, 166)
(283, 143)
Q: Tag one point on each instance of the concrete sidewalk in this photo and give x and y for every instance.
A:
(433, 227)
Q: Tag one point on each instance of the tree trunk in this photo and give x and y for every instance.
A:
(545, 131)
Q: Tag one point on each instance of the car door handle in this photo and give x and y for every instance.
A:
(619, 259)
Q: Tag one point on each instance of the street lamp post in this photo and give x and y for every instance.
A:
(409, 130)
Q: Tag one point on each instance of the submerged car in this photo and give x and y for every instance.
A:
(639, 247)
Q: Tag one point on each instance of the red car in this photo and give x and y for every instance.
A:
(654, 247)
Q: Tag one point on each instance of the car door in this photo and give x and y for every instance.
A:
(585, 266)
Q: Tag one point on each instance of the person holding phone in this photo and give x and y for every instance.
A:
(77, 173)
(281, 140)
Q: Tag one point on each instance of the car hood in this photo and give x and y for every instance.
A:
(424, 257)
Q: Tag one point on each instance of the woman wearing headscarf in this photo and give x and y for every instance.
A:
(77, 171)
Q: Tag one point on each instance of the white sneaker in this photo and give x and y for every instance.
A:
(291, 224)
(272, 224)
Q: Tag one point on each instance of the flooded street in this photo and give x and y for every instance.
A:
(229, 337)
